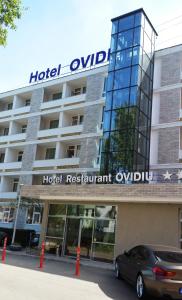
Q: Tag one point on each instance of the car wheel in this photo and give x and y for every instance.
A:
(140, 287)
(117, 272)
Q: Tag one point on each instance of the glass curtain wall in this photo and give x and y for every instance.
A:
(127, 112)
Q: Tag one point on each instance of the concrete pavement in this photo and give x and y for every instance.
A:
(20, 279)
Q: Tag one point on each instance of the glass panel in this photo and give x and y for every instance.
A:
(112, 62)
(105, 142)
(71, 245)
(81, 210)
(119, 119)
(125, 40)
(147, 45)
(53, 246)
(132, 117)
(113, 42)
(57, 209)
(145, 83)
(86, 237)
(107, 119)
(123, 59)
(137, 34)
(114, 27)
(108, 101)
(118, 140)
(103, 252)
(134, 75)
(126, 23)
(121, 98)
(138, 19)
(133, 95)
(110, 81)
(146, 63)
(55, 227)
(136, 56)
(104, 231)
(144, 103)
(148, 29)
(122, 78)
(142, 145)
(105, 212)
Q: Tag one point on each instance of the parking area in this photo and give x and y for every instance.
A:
(21, 278)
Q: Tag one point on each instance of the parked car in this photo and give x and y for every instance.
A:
(153, 269)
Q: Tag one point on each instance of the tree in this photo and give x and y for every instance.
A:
(10, 10)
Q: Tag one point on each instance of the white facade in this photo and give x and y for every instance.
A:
(61, 130)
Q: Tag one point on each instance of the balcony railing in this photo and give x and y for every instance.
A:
(16, 111)
(63, 101)
(10, 165)
(56, 162)
(12, 138)
(60, 131)
(8, 195)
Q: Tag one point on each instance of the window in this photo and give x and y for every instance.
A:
(34, 214)
(27, 102)
(15, 184)
(57, 96)
(50, 153)
(2, 155)
(24, 128)
(54, 124)
(84, 90)
(104, 88)
(73, 151)
(76, 92)
(10, 106)
(6, 131)
(6, 214)
(20, 154)
(77, 120)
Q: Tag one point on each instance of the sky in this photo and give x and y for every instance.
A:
(53, 32)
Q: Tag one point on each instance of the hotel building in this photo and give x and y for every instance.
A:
(123, 117)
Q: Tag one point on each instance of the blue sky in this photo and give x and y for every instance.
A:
(51, 32)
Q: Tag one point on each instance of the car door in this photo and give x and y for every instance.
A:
(137, 262)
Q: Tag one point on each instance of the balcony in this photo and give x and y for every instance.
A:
(60, 131)
(64, 101)
(12, 138)
(10, 165)
(17, 111)
(8, 195)
(56, 162)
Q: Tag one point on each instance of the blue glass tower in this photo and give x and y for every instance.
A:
(127, 113)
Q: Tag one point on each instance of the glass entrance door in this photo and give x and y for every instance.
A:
(86, 237)
(72, 234)
(79, 233)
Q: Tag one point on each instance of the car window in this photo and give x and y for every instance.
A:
(139, 253)
(133, 252)
(174, 257)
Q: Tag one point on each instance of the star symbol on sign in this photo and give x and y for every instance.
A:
(179, 174)
(167, 175)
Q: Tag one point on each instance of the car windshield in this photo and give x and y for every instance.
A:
(174, 257)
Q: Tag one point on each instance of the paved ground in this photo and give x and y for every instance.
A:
(20, 279)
